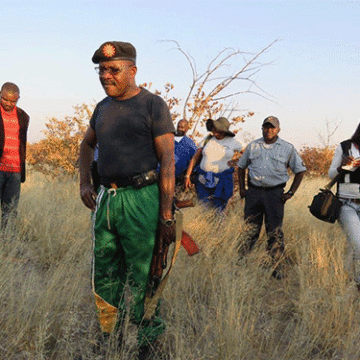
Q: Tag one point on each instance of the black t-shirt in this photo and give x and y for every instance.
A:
(125, 131)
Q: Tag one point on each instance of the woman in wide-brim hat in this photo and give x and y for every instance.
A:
(214, 183)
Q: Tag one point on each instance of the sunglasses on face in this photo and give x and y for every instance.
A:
(112, 70)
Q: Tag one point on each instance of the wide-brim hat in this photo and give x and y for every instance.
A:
(221, 124)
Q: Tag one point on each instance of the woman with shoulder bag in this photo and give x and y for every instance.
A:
(347, 162)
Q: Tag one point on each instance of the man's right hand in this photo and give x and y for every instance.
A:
(242, 193)
(88, 196)
(347, 160)
(187, 182)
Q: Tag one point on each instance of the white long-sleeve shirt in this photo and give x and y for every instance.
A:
(347, 190)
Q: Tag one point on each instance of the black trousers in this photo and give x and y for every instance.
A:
(265, 205)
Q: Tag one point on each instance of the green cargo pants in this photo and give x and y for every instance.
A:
(125, 222)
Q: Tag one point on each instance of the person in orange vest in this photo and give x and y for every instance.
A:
(14, 123)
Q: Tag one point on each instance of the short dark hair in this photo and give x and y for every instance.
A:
(184, 120)
(11, 87)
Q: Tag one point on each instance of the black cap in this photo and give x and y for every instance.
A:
(114, 50)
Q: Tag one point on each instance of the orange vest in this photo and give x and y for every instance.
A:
(10, 160)
(22, 123)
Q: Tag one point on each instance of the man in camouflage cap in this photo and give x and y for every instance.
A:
(134, 132)
(268, 160)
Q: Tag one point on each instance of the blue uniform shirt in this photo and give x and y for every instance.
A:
(268, 163)
(184, 151)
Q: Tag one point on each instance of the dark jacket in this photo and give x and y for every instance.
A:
(23, 118)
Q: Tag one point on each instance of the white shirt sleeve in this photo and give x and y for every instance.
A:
(243, 161)
(295, 162)
(336, 162)
(237, 145)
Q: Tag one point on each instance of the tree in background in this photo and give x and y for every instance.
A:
(211, 90)
(211, 93)
(171, 101)
(318, 159)
(58, 153)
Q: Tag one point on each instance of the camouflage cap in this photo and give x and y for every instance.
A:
(274, 121)
(114, 50)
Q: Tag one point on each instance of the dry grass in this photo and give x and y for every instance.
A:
(216, 305)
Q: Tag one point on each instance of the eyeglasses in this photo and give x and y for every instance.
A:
(101, 70)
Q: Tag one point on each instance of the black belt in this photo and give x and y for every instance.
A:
(137, 181)
(356, 201)
(266, 188)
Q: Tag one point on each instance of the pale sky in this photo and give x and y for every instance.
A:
(46, 49)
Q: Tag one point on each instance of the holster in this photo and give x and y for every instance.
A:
(145, 179)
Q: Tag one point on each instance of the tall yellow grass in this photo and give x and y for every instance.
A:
(216, 305)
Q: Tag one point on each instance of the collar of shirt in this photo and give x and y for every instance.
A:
(269, 146)
(10, 114)
(179, 138)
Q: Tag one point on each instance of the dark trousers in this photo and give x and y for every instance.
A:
(260, 205)
(9, 195)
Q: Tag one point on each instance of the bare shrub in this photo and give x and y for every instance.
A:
(58, 153)
(317, 159)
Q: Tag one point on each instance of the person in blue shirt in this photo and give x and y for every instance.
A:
(185, 149)
(268, 160)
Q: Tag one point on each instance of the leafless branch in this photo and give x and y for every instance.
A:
(201, 101)
(330, 131)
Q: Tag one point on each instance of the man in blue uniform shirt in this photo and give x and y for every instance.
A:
(185, 149)
(268, 160)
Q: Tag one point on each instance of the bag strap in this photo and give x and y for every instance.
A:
(208, 138)
(329, 185)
